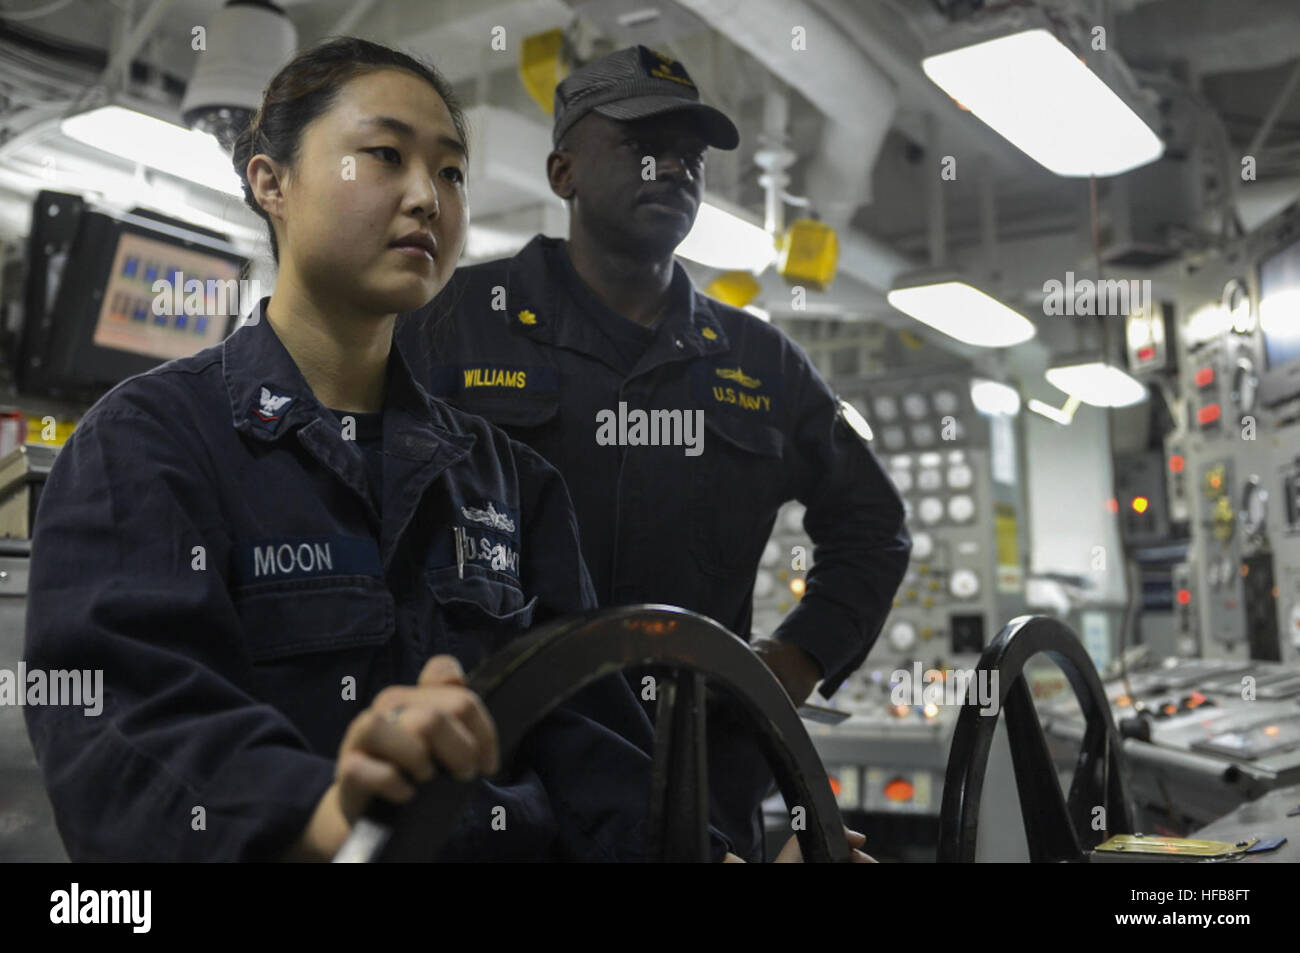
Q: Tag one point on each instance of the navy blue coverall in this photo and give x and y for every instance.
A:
(207, 537)
(524, 342)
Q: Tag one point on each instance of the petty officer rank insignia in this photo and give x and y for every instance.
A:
(726, 383)
(493, 378)
(269, 410)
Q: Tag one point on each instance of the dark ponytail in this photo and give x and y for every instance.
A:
(306, 88)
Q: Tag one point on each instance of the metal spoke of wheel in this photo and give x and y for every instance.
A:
(679, 781)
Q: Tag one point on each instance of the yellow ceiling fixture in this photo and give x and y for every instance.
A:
(542, 65)
(736, 288)
(807, 253)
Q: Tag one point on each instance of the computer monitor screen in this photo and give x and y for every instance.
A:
(160, 324)
(1279, 306)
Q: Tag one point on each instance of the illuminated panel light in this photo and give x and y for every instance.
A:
(1050, 412)
(1208, 414)
(963, 312)
(899, 790)
(1140, 504)
(1038, 95)
(1205, 377)
(721, 239)
(1207, 323)
(991, 397)
(1112, 505)
(165, 146)
(1277, 314)
(797, 586)
(1097, 384)
(1177, 464)
(1184, 596)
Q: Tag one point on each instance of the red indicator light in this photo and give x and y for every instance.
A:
(1184, 597)
(899, 790)
(1146, 353)
(1112, 505)
(1205, 377)
(1177, 463)
(1208, 414)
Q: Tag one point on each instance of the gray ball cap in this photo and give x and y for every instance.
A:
(635, 83)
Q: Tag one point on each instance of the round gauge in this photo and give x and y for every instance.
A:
(902, 460)
(929, 480)
(1236, 303)
(893, 438)
(960, 476)
(1254, 507)
(945, 402)
(961, 508)
(931, 510)
(1227, 571)
(902, 479)
(886, 409)
(792, 518)
(771, 555)
(922, 545)
(956, 456)
(1245, 386)
(902, 636)
(922, 435)
(964, 584)
(930, 459)
(763, 585)
(1223, 518)
(915, 406)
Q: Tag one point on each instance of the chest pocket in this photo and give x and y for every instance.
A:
(511, 410)
(736, 488)
(479, 613)
(305, 637)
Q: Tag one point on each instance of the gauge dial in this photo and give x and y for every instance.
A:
(929, 480)
(961, 508)
(893, 438)
(902, 636)
(922, 545)
(1245, 386)
(930, 510)
(945, 402)
(964, 584)
(915, 406)
(960, 476)
(1224, 518)
(886, 409)
(922, 435)
(902, 479)
(1254, 507)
